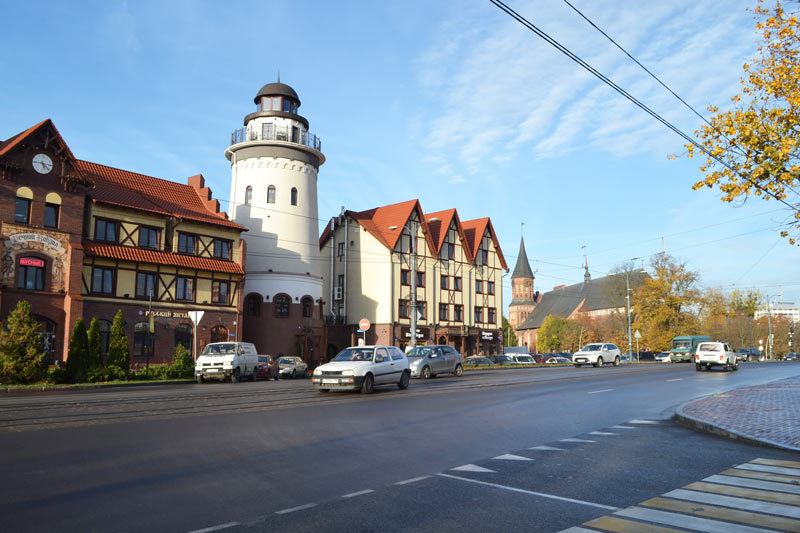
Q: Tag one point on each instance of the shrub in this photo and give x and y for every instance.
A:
(95, 357)
(118, 353)
(57, 375)
(78, 354)
(182, 364)
(22, 355)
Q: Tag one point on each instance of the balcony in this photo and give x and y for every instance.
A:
(271, 132)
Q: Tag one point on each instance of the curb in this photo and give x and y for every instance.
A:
(48, 388)
(706, 427)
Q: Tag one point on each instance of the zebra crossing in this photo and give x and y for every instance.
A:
(761, 495)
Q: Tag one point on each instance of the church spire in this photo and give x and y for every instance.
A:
(586, 276)
(523, 267)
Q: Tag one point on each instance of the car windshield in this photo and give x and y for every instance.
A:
(592, 348)
(709, 347)
(219, 349)
(681, 345)
(355, 354)
(525, 358)
(422, 351)
(287, 361)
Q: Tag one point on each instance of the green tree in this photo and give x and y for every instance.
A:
(746, 303)
(182, 364)
(756, 144)
(78, 353)
(118, 353)
(664, 303)
(95, 354)
(552, 334)
(509, 338)
(22, 355)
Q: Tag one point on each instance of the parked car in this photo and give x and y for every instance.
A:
(541, 357)
(477, 360)
(662, 357)
(362, 368)
(568, 355)
(646, 356)
(227, 360)
(749, 354)
(715, 354)
(428, 361)
(791, 356)
(524, 359)
(267, 368)
(597, 354)
(292, 367)
(557, 360)
(503, 360)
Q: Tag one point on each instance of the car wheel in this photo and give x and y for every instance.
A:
(253, 375)
(736, 366)
(403, 384)
(324, 390)
(458, 371)
(698, 367)
(236, 376)
(577, 366)
(200, 379)
(616, 361)
(600, 361)
(367, 386)
(426, 372)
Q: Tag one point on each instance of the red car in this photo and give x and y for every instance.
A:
(267, 367)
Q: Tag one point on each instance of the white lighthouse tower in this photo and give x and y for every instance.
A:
(274, 165)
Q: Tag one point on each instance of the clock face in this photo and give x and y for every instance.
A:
(42, 163)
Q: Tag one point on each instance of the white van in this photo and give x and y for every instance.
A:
(227, 360)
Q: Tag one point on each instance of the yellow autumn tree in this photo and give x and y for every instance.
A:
(755, 144)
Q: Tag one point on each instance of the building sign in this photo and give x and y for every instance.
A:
(165, 314)
(31, 262)
(19, 241)
(35, 237)
(487, 335)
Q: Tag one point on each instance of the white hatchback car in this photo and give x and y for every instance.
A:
(715, 354)
(362, 368)
(597, 354)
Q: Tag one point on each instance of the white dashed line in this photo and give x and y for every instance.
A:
(599, 391)
(532, 493)
(472, 468)
(577, 440)
(602, 433)
(412, 480)
(622, 427)
(215, 528)
(359, 493)
(298, 508)
(676, 379)
(642, 422)
(511, 457)
(547, 448)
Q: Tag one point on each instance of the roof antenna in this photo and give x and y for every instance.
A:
(279, 76)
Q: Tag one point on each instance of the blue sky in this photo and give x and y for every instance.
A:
(450, 102)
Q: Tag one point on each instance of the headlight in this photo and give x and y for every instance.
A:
(347, 372)
(317, 372)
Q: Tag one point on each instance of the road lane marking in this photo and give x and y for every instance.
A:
(755, 494)
(599, 391)
(754, 483)
(676, 379)
(216, 528)
(776, 462)
(298, 508)
(637, 421)
(546, 448)
(359, 493)
(684, 521)
(532, 493)
(620, 525)
(412, 480)
(602, 433)
(724, 513)
(729, 501)
(622, 427)
(472, 468)
(770, 469)
(512, 457)
(576, 440)
(576, 529)
(794, 480)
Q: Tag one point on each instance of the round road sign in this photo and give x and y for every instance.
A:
(363, 324)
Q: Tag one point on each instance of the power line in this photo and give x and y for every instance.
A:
(522, 20)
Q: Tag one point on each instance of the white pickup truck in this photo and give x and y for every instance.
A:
(227, 360)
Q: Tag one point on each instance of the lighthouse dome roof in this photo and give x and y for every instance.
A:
(277, 89)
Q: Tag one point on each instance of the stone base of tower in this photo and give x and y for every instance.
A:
(289, 335)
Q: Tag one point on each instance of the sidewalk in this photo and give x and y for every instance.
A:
(764, 414)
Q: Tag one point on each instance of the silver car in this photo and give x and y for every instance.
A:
(292, 367)
(428, 361)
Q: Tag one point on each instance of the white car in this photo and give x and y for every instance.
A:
(597, 354)
(362, 368)
(662, 357)
(715, 354)
(227, 360)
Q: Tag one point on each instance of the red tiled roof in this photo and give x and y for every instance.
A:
(138, 191)
(439, 227)
(131, 253)
(377, 221)
(473, 233)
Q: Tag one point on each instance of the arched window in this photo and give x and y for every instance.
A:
(294, 195)
(105, 335)
(183, 336)
(141, 340)
(47, 331)
(308, 306)
(248, 195)
(30, 274)
(219, 334)
(22, 207)
(271, 194)
(252, 305)
(280, 305)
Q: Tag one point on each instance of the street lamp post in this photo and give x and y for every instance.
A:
(628, 311)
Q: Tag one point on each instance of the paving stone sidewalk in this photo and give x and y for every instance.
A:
(767, 414)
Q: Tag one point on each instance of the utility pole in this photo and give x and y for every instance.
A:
(628, 309)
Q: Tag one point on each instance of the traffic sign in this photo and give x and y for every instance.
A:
(637, 334)
(364, 324)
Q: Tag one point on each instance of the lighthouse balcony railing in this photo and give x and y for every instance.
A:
(270, 132)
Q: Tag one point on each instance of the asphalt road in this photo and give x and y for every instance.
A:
(279, 456)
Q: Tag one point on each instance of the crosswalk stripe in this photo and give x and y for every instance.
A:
(754, 483)
(637, 421)
(512, 457)
(738, 503)
(472, 468)
(770, 469)
(776, 462)
(576, 529)
(622, 427)
(547, 448)
(577, 440)
(686, 521)
(756, 494)
(766, 476)
(602, 433)
(620, 525)
(724, 513)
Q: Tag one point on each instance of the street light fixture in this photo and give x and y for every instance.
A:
(413, 234)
